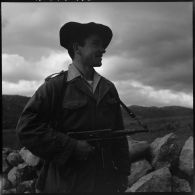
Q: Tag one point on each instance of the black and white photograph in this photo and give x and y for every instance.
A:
(97, 97)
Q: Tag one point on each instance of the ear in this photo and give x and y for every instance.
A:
(75, 47)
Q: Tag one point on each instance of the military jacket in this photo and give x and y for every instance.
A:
(58, 107)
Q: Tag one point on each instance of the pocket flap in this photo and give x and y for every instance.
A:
(74, 104)
(112, 101)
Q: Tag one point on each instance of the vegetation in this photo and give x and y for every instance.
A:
(12, 108)
(159, 121)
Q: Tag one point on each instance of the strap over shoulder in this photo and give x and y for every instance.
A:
(55, 75)
(57, 83)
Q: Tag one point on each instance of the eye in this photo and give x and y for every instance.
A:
(97, 43)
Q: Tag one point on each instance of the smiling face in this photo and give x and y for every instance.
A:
(92, 51)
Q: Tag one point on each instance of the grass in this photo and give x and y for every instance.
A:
(10, 139)
(181, 126)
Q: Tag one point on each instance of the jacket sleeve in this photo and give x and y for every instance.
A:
(120, 146)
(36, 133)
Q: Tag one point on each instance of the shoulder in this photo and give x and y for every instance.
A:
(56, 79)
(56, 76)
(52, 83)
(110, 85)
(107, 82)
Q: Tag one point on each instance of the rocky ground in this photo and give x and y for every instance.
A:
(161, 166)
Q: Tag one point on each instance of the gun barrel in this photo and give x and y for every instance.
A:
(105, 134)
(128, 132)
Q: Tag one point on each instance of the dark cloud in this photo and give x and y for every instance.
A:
(159, 42)
(32, 28)
(152, 42)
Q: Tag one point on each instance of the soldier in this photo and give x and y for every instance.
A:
(78, 99)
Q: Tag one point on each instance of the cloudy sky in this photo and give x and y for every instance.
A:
(149, 58)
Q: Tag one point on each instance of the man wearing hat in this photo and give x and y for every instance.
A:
(78, 99)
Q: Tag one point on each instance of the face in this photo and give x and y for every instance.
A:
(92, 51)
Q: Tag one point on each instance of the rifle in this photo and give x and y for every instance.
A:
(97, 136)
(105, 134)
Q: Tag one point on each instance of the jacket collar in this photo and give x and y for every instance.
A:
(76, 76)
(73, 73)
(104, 87)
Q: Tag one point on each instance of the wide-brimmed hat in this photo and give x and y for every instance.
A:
(74, 31)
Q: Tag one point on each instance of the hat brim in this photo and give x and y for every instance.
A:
(73, 31)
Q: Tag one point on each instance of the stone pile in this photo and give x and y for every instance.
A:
(166, 167)
(20, 170)
(161, 166)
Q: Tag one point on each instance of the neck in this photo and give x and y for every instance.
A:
(86, 71)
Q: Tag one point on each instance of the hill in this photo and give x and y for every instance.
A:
(12, 108)
(159, 121)
(159, 112)
(14, 104)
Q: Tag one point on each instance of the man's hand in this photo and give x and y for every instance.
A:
(82, 150)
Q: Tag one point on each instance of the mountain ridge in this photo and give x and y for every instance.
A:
(14, 104)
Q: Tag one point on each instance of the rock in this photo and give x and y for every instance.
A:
(10, 191)
(5, 166)
(5, 191)
(156, 181)
(14, 176)
(29, 158)
(180, 185)
(21, 173)
(14, 158)
(26, 172)
(5, 183)
(165, 151)
(186, 157)
(37, 191)
(6, 151)
(138, 169)
(26, 186)
(138, 149)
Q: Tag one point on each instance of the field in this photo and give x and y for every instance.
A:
(10, 139)
(181, 126)
(160, 120)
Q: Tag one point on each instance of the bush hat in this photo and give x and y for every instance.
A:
(74, 31)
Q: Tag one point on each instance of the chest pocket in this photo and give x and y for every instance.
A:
(74, 114)
(111, 101)
(109, 106)
(74, 104)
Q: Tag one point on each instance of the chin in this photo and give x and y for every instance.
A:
(97, 65)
